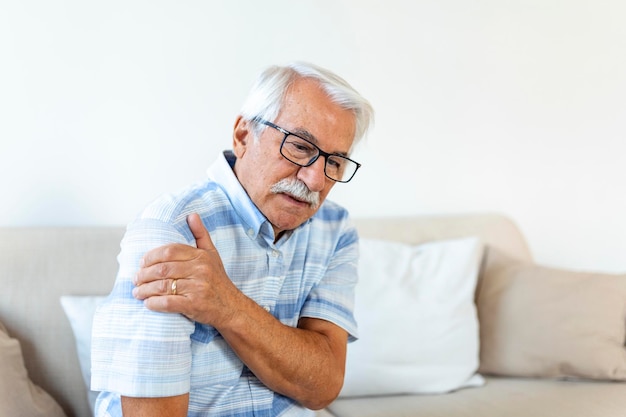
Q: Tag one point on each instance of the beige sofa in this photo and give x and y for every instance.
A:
(39, 265)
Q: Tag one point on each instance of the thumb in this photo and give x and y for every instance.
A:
(203, 239)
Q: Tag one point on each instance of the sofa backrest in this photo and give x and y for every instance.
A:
(37, 266)
(495, 230)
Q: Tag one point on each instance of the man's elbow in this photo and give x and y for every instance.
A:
(325, 395)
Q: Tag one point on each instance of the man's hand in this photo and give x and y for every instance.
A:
(204, 293)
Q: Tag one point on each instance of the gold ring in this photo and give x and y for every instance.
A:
(174, 287)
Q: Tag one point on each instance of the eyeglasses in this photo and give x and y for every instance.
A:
(304, 153)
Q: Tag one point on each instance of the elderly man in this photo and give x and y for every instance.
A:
(235, 296)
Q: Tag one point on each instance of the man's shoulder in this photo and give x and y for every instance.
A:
(200, 197)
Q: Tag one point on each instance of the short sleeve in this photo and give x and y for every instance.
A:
(332, 299)
(137, 352)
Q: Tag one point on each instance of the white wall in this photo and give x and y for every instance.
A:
(511, 106)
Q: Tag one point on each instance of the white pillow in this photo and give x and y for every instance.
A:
(418, 327)
(80, 311)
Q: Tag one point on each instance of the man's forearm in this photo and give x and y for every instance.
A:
(155, 407)
(305, 363)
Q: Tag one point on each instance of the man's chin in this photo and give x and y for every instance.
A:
(289, 221)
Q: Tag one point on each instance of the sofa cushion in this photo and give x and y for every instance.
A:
(415, 309)
(544, 322)
(500, 397)
(19, 396)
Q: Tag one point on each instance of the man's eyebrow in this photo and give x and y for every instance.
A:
(303, 133)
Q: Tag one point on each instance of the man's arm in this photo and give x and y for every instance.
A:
(305, 363)
(155, 407)
(137, 352)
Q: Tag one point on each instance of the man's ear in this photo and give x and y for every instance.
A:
(242, 136)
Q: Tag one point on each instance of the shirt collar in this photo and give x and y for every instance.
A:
(222, 172)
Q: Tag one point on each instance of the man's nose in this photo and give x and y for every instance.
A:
(313, 175)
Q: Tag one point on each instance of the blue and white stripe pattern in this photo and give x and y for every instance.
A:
(310, 272)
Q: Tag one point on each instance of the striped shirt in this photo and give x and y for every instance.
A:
(309, 272)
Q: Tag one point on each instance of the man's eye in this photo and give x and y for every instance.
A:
(334, 163)
(301, 147)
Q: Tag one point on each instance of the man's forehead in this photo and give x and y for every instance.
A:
(308, 111)
(331, 147)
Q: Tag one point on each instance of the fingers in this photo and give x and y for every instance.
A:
(168, 253)
(161, 271)
(169, 304)
(170, 286)
(203, 239)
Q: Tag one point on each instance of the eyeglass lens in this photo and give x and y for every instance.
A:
(304, 153)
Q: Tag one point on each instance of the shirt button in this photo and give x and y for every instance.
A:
(275, 253)
(250, 232)
(266, 308)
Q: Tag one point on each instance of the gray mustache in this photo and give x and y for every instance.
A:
(297, 189)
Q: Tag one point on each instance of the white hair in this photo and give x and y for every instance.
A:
(265, 99)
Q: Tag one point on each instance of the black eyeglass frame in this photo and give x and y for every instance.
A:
(315, 158)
